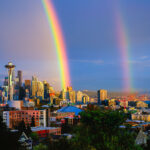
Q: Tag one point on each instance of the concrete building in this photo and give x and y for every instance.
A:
(85, 99)
(46, 131)
(37, 88)
(28, 84)
(40, 90)
(19, 75)
(28, 88)
(12, 118)
(111, 103)
(79, 96)
(102, 95)
(141, 104)
(141, 116)
(61, 115)
(17, 104)
(6, 81)
(34, 86)
(64, 94)
(72, 96)
(69, 88)
(46, 89)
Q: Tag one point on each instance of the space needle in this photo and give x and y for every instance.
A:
(10, 68)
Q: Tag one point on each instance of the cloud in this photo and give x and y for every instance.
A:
(135, 62)
(143, 62)
(144, 57)
(97, 62)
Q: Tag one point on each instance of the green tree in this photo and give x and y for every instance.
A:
(8, 140)
(22, 127)
(34, 136)
(101, 130)
(28, 130)
(32, 122)
(40, 147)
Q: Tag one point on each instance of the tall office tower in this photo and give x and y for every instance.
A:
(64, 94)
(79, 96)
(102, 95)
(10, 68)
(34, 78)
(20, 78)
(46, 89)
(28, 86)
(72, 97)
(69, 88)
(34, 85)
(40, 90)
(37, 88)
(85, 99)
(6, 81)
(70, 94)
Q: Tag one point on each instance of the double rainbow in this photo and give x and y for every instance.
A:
(58, 38)
(123, 45)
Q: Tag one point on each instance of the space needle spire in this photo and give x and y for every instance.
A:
(10, 68)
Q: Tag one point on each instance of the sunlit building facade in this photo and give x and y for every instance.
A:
(13, 118)
(79, 96)
(37, 88)
(102, 95)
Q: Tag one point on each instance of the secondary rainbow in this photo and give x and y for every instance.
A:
(58, 38)
(123, 45)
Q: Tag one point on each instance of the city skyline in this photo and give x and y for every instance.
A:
(92, 48)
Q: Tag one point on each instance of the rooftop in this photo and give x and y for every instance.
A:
(70, 109)
(43, 128)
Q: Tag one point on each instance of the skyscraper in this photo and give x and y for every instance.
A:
(69, 88)
(28, 87)
(85, 99)
(72, 96)
(64, 94)
(10, 68)
(46, 89)
(28, 84)
(79, 96)
(37, 88)
(34, 85)
(6, 81)
(20, 78)
(102, 95)
(40, 90)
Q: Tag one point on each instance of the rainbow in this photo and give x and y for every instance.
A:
(58, 38)
(123, 45)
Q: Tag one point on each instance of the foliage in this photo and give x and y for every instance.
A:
(28, 130)
(62, 144)
(66, 128)
(40, 147)
(100, 130)
(8, 140)
(34, 136)
(33, 122)
(21, 127)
